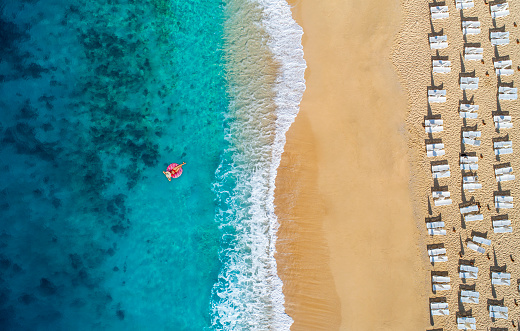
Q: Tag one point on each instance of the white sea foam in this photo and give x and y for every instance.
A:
(265, 68)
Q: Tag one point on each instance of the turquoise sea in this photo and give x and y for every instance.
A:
(96, 99)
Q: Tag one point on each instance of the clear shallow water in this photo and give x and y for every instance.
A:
(97, 98)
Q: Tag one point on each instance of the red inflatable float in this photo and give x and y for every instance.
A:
(174, 170)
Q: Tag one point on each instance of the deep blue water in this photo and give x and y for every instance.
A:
(96, 98)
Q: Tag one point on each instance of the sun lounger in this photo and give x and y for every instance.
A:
(469, 209)
(499, 38)
(468, 138)
(502, 122)
(473, 217)
(468, 111)
(503, 205)
(503, 147)
(441, 67)
(471, 245)
(436, 228)
(481, 240)
(440, 279)
(503, 201)
(499, 10)
(503, 171)
(437, 232)
(468, 166)
(441, 171)
(503, 229)
(469, 296)
(503, 151)
(434, 225)
(468, 163)
(438, 255)
(505, 178)
(470, 179)
(466, 323)
(467, 271)
(471, 183)
(473, 53)
(438, 258)
(439, 309)
(502, 226)
(472, 186)
(441, 287)
(498, 312)
(504, 68)
(471, 134)
(438, 42)
(436, 96)
(437, 251)
(470, 27)
(439, 12)
(503, 198)
(431, 126)
(501, 278)
(469, 83)
(472, 142)
(507, 93)
(440, 198)
(433, 150)
(464, 4)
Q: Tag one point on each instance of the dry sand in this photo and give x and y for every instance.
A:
(354, 185)
(349, 253)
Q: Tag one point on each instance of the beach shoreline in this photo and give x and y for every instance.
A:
(348, 249)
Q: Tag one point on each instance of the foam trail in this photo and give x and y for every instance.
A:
(265, 68)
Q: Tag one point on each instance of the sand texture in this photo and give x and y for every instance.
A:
(351, 251)
(413, 60)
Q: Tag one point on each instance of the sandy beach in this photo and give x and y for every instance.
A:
(354, 187)
(349, 250)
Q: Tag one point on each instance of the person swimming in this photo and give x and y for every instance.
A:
(173, 171)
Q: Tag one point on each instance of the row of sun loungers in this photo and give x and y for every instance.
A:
(442, 12)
